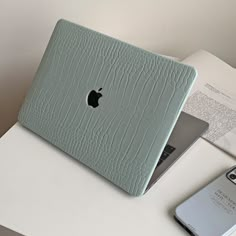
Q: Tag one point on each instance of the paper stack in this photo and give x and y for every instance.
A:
(213, 99)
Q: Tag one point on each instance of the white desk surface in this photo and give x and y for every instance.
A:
(46, 193)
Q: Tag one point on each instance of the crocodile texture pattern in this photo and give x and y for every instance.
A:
(142, 96)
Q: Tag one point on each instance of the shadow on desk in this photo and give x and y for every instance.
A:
(7, 232)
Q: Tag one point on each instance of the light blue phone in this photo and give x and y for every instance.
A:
(212, 210)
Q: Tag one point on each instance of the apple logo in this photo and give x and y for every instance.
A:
(93, 97)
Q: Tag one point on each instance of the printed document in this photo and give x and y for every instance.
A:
(213, 99)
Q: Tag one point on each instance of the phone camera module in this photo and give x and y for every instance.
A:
(232, 176)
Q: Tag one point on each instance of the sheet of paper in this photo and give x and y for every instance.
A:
(213, 99)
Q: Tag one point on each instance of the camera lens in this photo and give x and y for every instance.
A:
(232, 176)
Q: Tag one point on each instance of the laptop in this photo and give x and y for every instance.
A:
(112, 106)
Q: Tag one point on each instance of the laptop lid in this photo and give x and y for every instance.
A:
(106, 103)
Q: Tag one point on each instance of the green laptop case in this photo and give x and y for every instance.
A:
(142, 97)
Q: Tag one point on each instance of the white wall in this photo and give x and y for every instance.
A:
(176, 28)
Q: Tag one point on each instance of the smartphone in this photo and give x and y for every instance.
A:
(212, 210)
